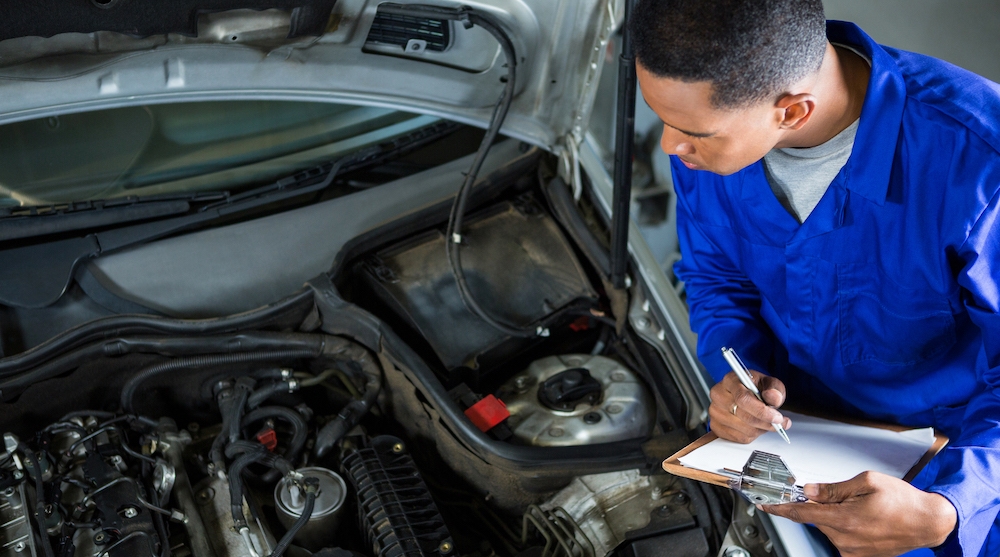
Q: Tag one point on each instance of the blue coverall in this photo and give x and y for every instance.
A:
(885, 302)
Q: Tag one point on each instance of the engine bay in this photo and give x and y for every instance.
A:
(370, 414)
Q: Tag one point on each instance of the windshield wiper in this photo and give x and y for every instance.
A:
(42, 220)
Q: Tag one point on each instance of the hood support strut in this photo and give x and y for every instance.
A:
(624, 139)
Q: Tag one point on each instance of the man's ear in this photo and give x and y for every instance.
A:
(795, 110)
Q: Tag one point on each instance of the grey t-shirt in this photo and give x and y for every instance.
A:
(800, 177)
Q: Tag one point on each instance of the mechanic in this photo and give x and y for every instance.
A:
(839, 226)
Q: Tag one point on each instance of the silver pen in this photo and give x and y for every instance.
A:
(741, 371)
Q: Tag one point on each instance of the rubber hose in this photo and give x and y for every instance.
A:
(267, 391)
(350, 415)
(128, 392)
(307, 511)
(236, 484)
(244, 386)
(300, 431)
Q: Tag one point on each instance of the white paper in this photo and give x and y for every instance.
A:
(822, 451)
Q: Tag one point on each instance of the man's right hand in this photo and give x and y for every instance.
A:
(737, 415)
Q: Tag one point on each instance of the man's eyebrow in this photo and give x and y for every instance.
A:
(686, 132)
(692, 134)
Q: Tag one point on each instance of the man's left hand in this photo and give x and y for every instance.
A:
(873, 515)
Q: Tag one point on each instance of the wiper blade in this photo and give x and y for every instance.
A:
(42, 220)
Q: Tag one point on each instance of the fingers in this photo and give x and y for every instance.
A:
(736, 413)
(772, 390)
(862, 484)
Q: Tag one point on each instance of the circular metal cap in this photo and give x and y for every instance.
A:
(331, 495)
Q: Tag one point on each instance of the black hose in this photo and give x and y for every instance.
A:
(453, 234)
(261, 395)
(210, 382)
(244, 386)
(300, 432)
(124, 325)
(236, 483)
(128, 392)
(351, 414)
(715, 508)
(311, 485)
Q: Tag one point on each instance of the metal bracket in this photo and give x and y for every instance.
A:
(766, 480)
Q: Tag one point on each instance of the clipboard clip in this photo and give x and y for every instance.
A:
(766, 480)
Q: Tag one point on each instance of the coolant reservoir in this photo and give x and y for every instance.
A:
(577, 399)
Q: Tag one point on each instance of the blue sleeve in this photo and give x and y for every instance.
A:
(724, 305)
(969, 473)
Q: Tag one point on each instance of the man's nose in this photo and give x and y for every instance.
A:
(674, 142)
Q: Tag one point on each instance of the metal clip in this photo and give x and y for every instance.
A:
(766, 480)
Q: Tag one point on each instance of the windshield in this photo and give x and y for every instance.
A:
(182, 148)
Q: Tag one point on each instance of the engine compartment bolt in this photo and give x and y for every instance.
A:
(656, 493)
(9, 492)
(130, 512)
(206, 495)
(681, 498)
(750, 531)
(736, 551)
(521, 382)
(100, 538)
(19, 547)
(397, 448)
(591, 418)
(642, 322)
(445, 547)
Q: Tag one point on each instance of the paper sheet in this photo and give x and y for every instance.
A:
(822, 451)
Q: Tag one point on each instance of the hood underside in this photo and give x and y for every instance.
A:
(111, 53)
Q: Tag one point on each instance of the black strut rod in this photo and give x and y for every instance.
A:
(624, 139)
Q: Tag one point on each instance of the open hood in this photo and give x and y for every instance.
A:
(56, 59)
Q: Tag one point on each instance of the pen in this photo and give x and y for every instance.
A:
(741, 371)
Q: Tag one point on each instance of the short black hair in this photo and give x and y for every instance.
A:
(750, 50)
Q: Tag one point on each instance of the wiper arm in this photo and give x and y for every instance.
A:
(42, 220)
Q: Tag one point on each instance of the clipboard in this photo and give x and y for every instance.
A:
(673, 466)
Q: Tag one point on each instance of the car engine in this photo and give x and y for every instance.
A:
(370, 414)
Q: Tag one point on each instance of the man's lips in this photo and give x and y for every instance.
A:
(690, 165)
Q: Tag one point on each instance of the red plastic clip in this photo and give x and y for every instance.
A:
(269, 438)
(487, 413)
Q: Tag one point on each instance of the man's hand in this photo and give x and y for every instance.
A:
(751, 417)
(873, 515)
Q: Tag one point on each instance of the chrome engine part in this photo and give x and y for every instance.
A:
(213, 497)
(577, 399)
(289, 502)
(15, 529)
(610, 509)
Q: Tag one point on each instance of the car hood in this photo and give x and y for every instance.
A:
(109, 53)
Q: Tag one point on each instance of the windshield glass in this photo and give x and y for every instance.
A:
(182, 148)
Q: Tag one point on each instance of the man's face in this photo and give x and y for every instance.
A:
(722, 141)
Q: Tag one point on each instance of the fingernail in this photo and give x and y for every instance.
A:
(811, 490)
(760, 507)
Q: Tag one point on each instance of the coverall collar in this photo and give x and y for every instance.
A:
(867, 171)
